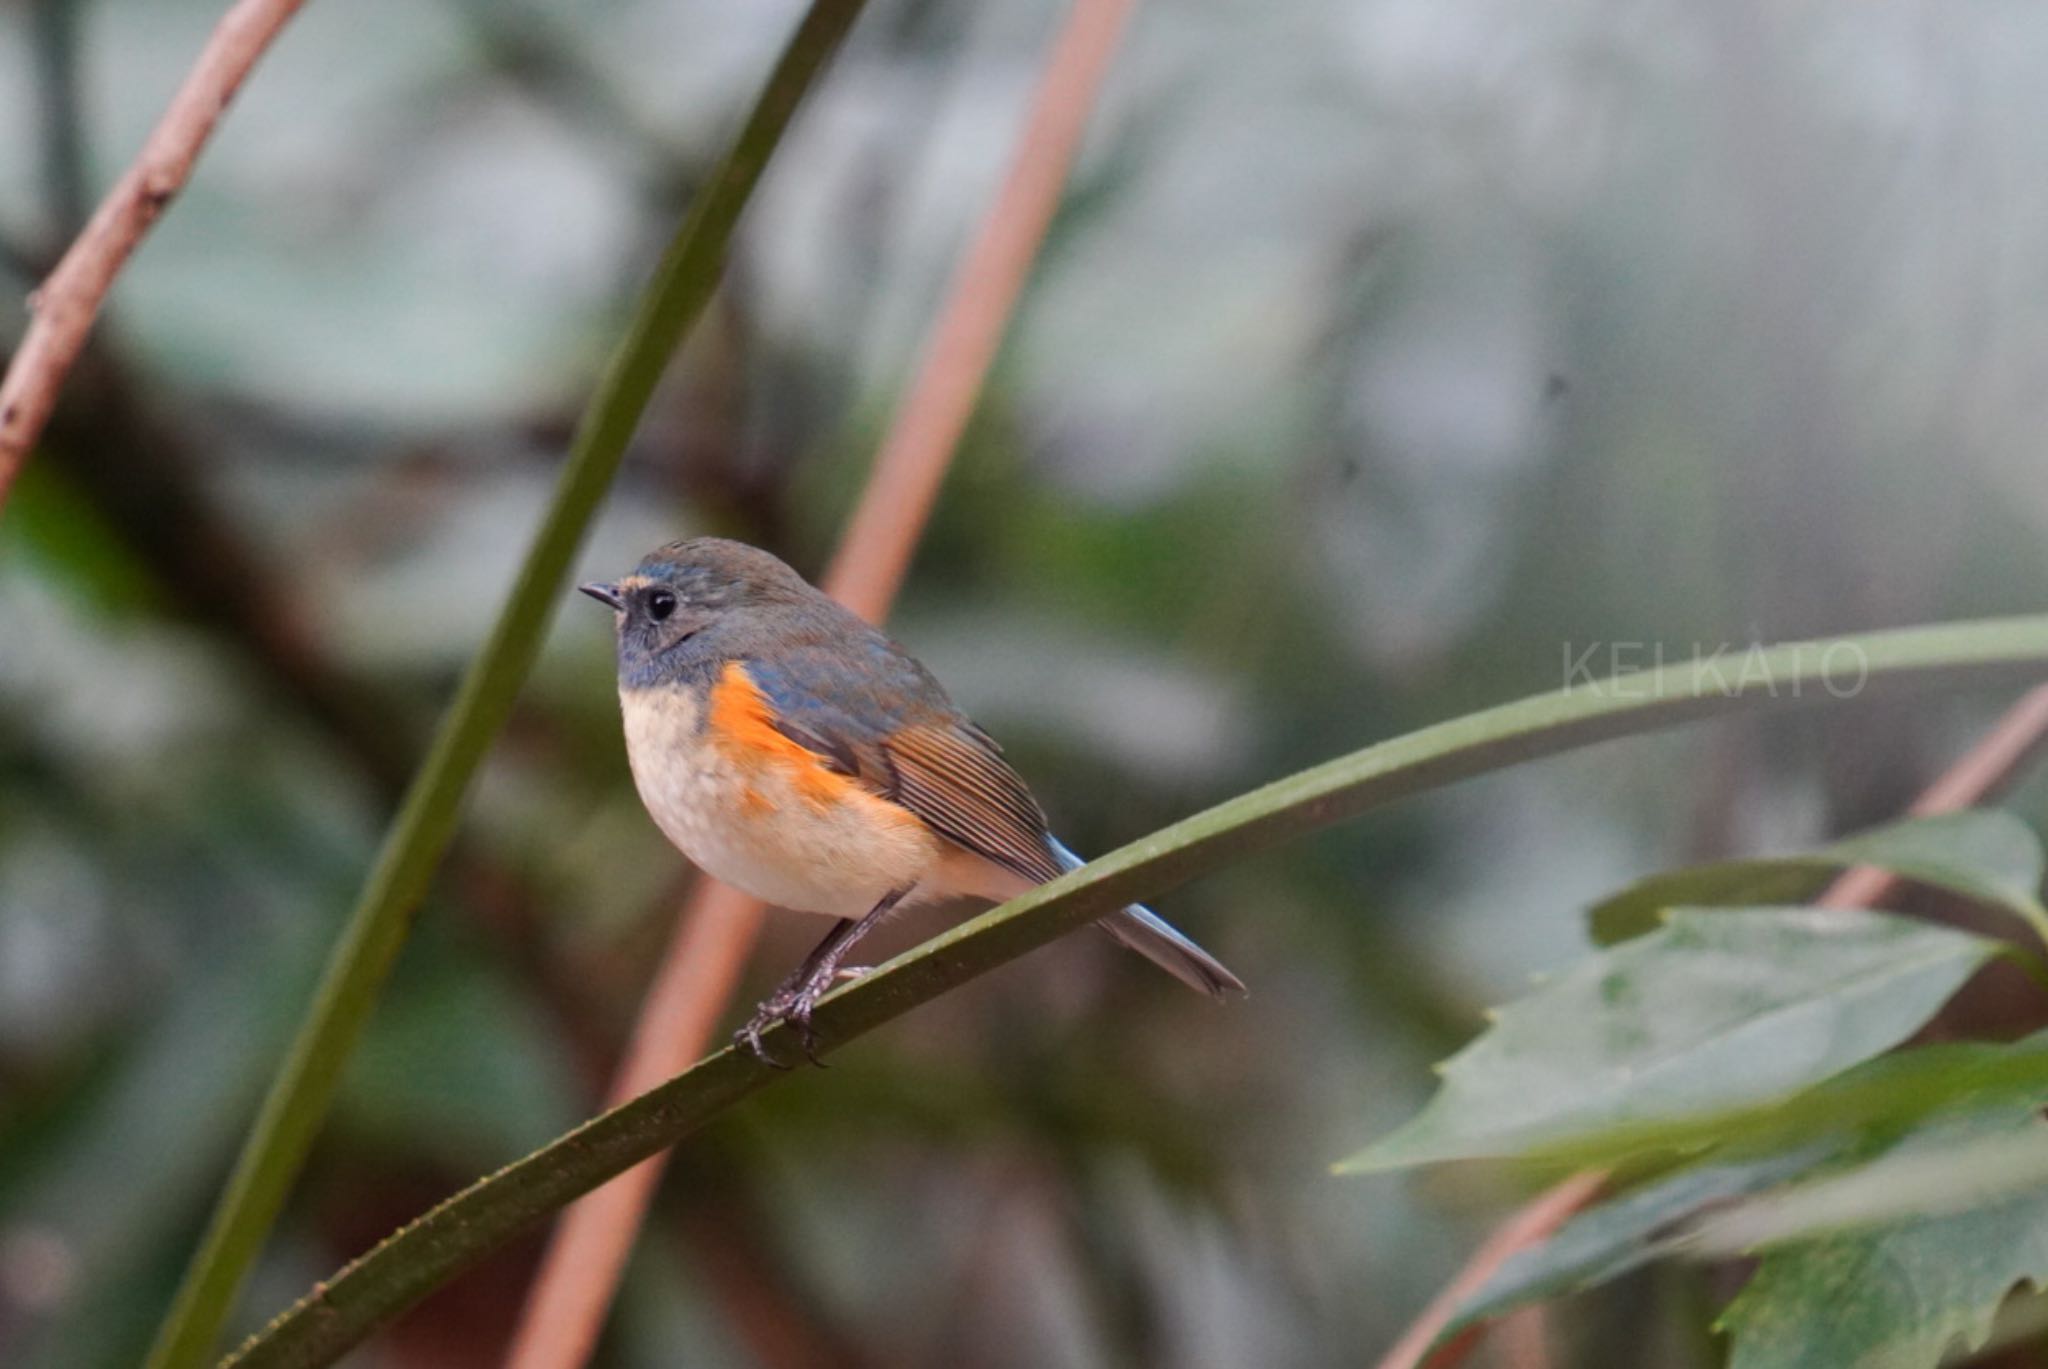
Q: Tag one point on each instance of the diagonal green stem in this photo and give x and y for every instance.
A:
(299, 1097)
(341, 1313)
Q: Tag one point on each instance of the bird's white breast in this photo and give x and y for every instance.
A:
(751, 819)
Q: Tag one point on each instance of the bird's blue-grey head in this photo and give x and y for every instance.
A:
(692, 605)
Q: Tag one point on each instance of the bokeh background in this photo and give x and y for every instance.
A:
(1386, 356)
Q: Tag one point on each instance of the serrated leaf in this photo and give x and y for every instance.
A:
(1897, 1296)
(1626, 1232)
(1984, 854)
(1733, 1206)
(1902, 1089)
(1951, 1164)
(1718, 1009)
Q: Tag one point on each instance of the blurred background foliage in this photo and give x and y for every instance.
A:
(1387, 357)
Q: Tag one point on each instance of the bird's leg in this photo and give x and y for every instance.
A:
(785, 992)
(775, 1007)
(797, 997)
(824, 973)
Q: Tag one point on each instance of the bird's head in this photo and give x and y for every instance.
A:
(685, 603)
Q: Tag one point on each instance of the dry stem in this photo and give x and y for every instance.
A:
(64, 308)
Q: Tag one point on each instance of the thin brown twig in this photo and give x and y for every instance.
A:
(874, 557)
(588, 1251)
(1986, 769)
(1524, 1228)
(64, 308)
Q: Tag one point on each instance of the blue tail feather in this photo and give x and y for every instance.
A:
(1153, 937)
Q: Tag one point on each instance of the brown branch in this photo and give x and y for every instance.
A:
(1527, 1227)
(588, 1251)
(64, 308)
(1980, 773)
(1983, 771)
(874, 556)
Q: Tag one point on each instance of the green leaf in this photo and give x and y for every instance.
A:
(340, 1312)
(1733, 1206)
(1900, 1295)
(1951, 1165)
(1983, 854)
(1892, 1092)
(1626, 1232)
(1639, 909)
(1718, 1008)
(1736, 1204)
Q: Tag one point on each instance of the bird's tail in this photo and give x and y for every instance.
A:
(1153, 937)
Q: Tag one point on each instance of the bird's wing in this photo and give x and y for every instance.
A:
(953, 778)
(891, 728)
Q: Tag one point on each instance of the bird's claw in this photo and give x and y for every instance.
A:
(793, 1005)
(748, 1038)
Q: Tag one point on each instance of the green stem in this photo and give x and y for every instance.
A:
(299, 1097)
(341, 1313)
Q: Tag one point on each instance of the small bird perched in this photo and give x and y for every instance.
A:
(793, 751)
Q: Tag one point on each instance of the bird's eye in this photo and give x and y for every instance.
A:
(660, 604)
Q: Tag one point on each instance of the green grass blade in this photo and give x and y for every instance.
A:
(298, 1100)
(342, 1312)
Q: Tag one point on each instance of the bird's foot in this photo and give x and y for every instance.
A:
(794, 1004)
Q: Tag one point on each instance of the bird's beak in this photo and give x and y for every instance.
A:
(608, 595)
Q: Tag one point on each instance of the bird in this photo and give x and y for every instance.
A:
(792, 750)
